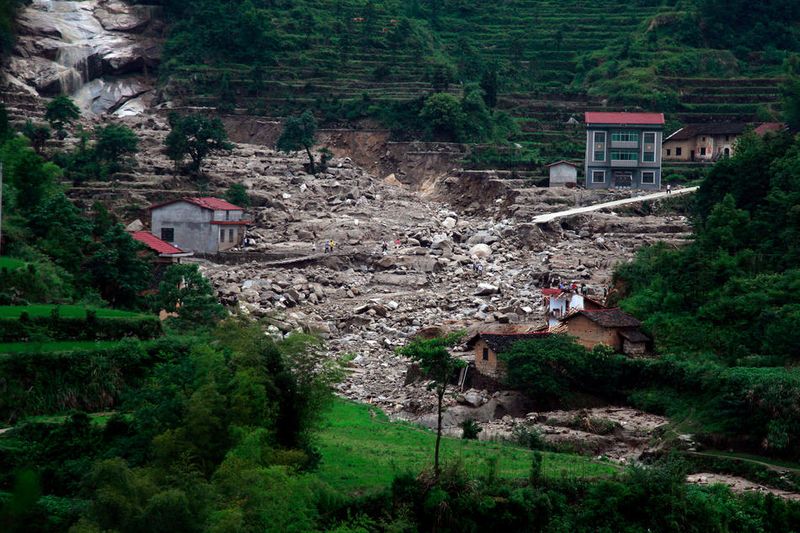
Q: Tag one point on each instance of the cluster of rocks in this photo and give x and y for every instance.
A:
(97, 51)
(400, 263)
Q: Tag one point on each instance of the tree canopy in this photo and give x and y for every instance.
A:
(195, 136)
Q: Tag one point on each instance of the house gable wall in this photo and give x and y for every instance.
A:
(490, 367)
(562, 174)
(589, 334)
(191, 224)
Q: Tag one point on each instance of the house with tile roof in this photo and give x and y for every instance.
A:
(488, 345)
(205, 225)
(702, 142)
(623, 150)
(612, 327)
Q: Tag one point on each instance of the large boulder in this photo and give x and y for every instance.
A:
(481, 250)
(486, 289)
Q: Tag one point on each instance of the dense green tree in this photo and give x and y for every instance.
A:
(443, 117)
(61, 112)
(115, 141)
(299, 133)
(438, 365)
(196, 136)
(38, 134)
(117, 268)
(115, 144)
(237, 195)
(186, 291)
(489, 86)
(6, 131)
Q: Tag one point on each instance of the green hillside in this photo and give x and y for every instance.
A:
(542, 61)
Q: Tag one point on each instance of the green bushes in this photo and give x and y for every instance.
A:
(550, 370)
(92, 327)
(90, 380)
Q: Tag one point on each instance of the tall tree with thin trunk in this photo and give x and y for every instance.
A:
(439, 366)
(298, 134)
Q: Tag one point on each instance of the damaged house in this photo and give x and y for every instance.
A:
(612, 327)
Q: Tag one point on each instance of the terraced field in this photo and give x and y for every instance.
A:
(542, 48)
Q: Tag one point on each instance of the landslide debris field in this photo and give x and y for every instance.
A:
(365, 301)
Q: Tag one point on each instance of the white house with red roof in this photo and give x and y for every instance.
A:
(205, 225)
(559, 303)
(623, 150)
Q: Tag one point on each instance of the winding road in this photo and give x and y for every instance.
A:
(549, 217)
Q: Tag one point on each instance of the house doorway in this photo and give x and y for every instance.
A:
(623, 178)
(727, 152)
(691, 156)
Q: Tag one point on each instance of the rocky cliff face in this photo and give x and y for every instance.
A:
(98, 51)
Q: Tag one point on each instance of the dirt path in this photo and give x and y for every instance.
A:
(777, 468)
(740, 485)
(549, 217)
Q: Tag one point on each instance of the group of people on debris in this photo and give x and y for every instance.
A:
(385, 245)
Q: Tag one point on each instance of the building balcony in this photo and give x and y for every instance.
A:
(624, 163)
(624, 144)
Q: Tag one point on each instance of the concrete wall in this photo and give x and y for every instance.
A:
(590, 334)
(192, 224)
(562, 174)
(230, 240)
(634, 348)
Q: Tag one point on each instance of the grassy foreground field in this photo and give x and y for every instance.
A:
(65, 311)
(362, 450)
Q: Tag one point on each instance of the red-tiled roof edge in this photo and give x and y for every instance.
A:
(608, 117)
(242, 222)
(206, 202)
(155, 244)
(564, 162)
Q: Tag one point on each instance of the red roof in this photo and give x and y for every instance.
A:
(206, 202)
(595, 117)
(231, 222)
(551, 292)
(769, 127)
(155, 244)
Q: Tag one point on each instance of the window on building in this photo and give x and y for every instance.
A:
(702, 150)
(230, 235)
(168, 234)
(598, 176)
(623, 156)
(486, 354)
(649, 147)
(678, 151)
(648, 177)
(727, 138)
(624, 136)
(599, 146)
(222, 235)
(669, 151)
(704, 139)
(227, 215)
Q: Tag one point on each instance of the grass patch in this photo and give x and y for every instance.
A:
(52, 346)
(65, 311)
(362, 450)
(11, 263)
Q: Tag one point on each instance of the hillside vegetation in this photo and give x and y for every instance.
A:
(541, 61)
